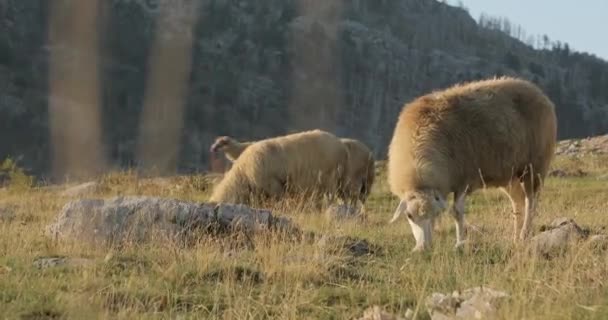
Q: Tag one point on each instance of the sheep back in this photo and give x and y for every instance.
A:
(478, 133)
(299, 163)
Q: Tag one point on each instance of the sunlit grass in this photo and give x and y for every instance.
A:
(216, 279)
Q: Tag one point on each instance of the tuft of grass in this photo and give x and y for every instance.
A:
(278, 279)
(17, 179)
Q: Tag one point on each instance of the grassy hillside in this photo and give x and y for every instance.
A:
(219, 279)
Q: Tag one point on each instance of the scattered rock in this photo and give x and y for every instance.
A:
(560, 234)
(342, 211)
(50, 262)
(559, 173)
(81, 189)
(138, 219)
(376, 313)
(474, 303)
(356, 247)
(592, 145)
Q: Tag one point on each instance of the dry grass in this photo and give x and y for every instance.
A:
(217, 280)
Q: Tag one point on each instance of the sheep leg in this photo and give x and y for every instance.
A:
(517, 196)
(275, 188)
(530, 204)
(457, 211)
(529, 207)
(531, 184)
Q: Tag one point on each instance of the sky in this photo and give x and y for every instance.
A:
(582, 24)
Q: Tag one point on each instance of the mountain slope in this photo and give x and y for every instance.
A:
(262, 68)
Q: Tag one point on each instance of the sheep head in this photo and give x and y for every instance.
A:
(221, 143)
(421, 208)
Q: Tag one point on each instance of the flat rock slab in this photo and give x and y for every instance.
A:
(138, 219)
(473, 303)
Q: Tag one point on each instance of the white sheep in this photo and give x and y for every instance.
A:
(497, 132)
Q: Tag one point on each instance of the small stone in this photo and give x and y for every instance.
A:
(50, 262)
(342, 211)
(474, 303)
(376, 313)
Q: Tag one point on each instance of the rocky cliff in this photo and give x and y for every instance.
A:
(254, 69)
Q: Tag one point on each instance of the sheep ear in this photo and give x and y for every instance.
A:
(400, 209)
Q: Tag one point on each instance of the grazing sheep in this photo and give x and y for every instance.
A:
(307, 164)
(230, 146)
(497, 132)
(361, 172)
(361, 163)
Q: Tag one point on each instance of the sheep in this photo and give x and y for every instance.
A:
(498, 132)
(309, 163)
(231, 147)
(361, 172)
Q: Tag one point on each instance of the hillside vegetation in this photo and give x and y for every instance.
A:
(258, 69)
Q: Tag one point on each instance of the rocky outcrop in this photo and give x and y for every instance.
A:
(138, 219)
(581, 147)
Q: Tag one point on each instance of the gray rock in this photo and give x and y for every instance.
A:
(242, 217)
(376, 313)
(557, 237)
(342, 211)
(50, 262)
(353, 246)
(473, 303)
(140, 218)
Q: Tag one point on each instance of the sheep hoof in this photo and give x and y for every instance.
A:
(460, 245)
(418, 249)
